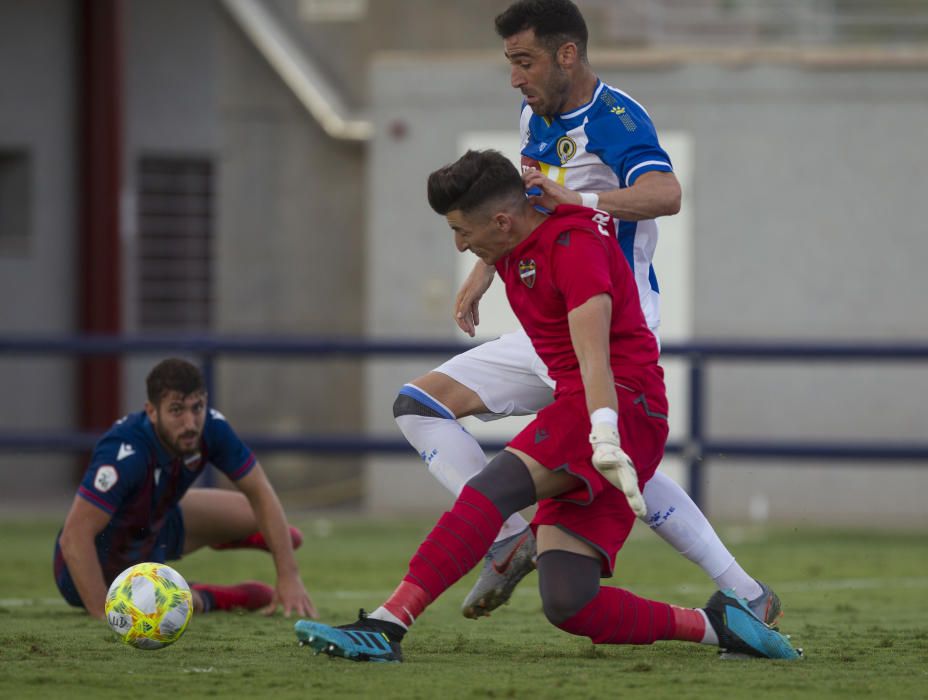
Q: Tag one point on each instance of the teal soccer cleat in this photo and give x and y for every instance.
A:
(364, 640)
(741, 633)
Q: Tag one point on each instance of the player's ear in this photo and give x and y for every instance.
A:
(567, 55)
(151, 411)
(503, 221)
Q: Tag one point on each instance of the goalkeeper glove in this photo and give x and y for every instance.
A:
(616, 466)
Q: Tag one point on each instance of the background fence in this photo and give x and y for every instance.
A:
(697, 447)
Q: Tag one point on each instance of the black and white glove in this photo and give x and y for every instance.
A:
(616, 466)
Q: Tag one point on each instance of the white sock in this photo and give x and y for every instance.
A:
(736, 578)
(673, 515)
(453, 457)
(382, 613)
(709, 637)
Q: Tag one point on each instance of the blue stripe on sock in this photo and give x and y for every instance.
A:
(426, 400)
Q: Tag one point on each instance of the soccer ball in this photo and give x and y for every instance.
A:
(149, 605)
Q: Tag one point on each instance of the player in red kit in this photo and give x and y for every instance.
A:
(584, 458)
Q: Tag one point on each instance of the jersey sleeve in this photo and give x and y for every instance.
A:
(626, 140)
(227, 452)
(116, 468)
(581, 266)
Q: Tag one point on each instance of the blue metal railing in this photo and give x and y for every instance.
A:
(696, 447)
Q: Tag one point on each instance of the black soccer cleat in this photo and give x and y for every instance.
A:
(365, 640)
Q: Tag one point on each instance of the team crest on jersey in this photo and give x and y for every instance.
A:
(106, 478)
(566, 148)
(527, 272)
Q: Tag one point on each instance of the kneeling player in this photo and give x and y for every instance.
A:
(135, 504)
(571, 289)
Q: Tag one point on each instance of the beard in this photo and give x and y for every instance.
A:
(553, 94)
(176, 445)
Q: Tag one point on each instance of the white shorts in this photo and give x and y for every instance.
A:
(506, 374)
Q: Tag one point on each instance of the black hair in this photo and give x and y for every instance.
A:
(475, 179)
(173, 374)
(554, 22)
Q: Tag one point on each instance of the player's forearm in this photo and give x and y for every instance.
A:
(589, 335)
(482, 272)
(598, 385)
(80, 555)
(653, 195)
(273, 524)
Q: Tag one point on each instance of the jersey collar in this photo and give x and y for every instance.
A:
(580, 110)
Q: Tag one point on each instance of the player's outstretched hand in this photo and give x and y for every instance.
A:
(616, 466)
(467, 302)
(291, 595)
(552, 193)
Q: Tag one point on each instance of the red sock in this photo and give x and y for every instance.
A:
(690, 624)
(458, 542)
(616, 616)
(256, 541)
(249, 595)
(407, 602)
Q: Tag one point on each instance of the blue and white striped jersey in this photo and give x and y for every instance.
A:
(606, 144)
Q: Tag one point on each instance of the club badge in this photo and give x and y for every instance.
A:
(527, 272)
(105, 478)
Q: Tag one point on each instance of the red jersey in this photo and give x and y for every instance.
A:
(568, 259)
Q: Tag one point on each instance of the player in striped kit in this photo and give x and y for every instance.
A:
(583, 142)
(135, 503)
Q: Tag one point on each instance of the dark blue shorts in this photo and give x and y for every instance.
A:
(168, 546)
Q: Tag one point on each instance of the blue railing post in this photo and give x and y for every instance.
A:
(208, 477)
(209, 376)
(695, 441)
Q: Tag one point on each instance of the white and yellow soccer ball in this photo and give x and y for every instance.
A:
(149, 605)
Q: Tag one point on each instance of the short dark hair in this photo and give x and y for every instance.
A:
(173, 374)
(473, 180)
(555, 22)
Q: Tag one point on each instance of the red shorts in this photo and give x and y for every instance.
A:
(596, 512)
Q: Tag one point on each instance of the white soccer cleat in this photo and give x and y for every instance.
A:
(616, 466)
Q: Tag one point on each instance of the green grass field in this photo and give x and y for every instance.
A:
(854, 600)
